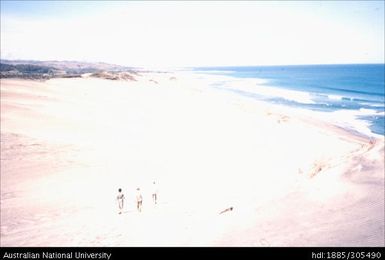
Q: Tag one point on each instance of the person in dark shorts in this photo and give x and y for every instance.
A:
(120, 199)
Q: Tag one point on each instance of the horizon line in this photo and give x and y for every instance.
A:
(199, 66)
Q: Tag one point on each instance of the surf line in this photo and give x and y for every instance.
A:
(56, 255)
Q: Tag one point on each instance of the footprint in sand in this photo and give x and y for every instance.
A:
(154, 81)
(318, 166)
(283, 119)
(279, 118)
(264, 242)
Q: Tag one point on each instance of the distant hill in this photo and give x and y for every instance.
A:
(30, 69)
(26, 68)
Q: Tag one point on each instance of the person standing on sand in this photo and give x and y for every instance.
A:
(120, 199)
(139, 200)
(154, 192)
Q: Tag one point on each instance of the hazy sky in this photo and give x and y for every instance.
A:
(194, 33)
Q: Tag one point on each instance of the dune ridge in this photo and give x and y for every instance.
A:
(67, 145)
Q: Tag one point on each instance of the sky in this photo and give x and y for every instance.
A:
(194, 33)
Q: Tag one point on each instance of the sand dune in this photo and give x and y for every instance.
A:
(67, 145)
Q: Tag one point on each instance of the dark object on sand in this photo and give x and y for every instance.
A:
(228, 209)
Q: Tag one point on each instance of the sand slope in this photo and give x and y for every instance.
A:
(67, 145)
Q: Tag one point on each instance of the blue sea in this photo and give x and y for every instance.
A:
(356, 90)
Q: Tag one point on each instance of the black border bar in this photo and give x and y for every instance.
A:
(114, 253)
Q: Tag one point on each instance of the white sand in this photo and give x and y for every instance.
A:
(67, 145)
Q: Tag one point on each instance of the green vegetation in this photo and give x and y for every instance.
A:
(63, 69)
(26, 71)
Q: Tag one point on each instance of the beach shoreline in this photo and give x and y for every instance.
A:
(67, 145)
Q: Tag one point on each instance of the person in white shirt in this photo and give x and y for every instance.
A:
(154, 192)
(139, 200)
(120, 199)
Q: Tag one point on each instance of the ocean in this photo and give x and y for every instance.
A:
(352, 96)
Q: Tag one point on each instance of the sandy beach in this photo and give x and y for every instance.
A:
(292, 179)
